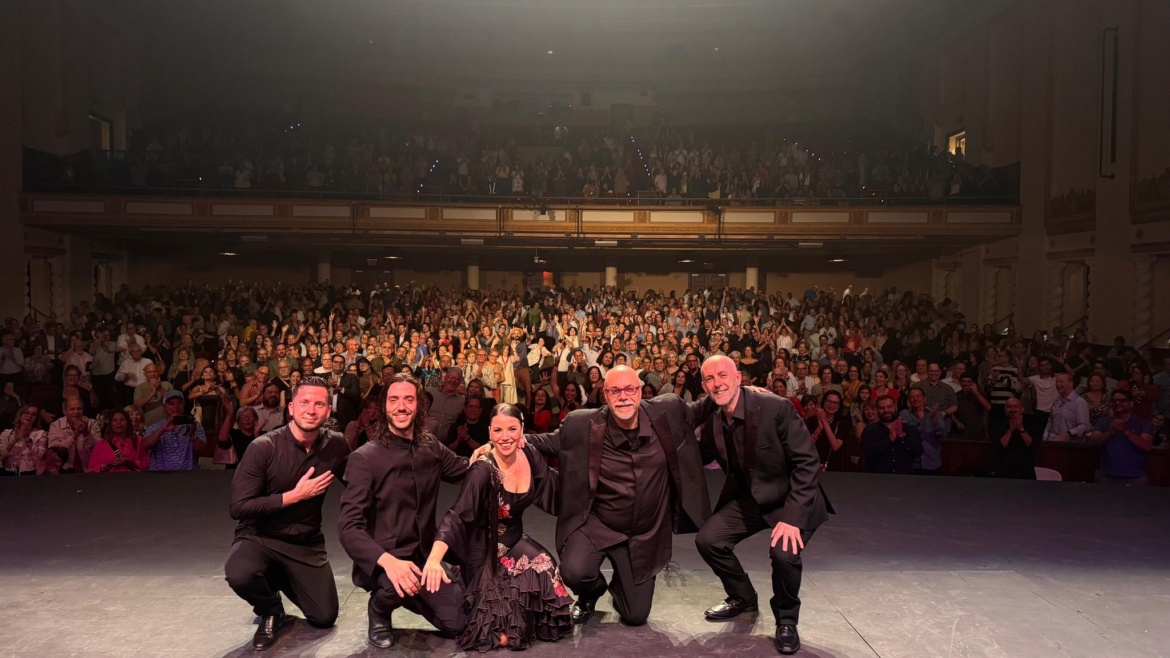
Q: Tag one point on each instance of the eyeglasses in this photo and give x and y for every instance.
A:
(615, 391)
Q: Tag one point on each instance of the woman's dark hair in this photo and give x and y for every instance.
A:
(509, 410)
(840, 402)
(109, 424)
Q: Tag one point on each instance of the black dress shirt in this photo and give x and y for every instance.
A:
(633, 494)
(389, 501)
(271, 466)
(885, 456)
(733, 429)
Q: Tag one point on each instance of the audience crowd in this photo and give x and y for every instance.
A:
(659, 162)
(161, 378)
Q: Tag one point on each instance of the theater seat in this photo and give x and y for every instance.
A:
(1048, 474)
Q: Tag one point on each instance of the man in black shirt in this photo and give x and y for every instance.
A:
(463, 438)
(890, 446)
(277, 496)
(387, 518)
(772, 484)
(632, 473)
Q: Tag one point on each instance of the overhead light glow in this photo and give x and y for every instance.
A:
(836, 260)
(391, 257)
(228, 253)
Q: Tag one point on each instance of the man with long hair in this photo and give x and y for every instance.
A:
(387, 518)
(277, 493)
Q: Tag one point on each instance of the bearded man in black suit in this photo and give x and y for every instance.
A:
(631, 474)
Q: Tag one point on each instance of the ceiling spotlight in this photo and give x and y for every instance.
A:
(686, 260)
(716, 48)
(391, 257)
(228, 253)
(550, 52)
(836, 260)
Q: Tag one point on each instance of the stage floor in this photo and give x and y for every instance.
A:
(130, 565)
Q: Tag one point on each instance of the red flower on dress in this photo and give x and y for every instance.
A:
(508, 562)
(560, 589)
(505, 511)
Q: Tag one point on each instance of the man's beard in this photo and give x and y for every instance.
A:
(887, 419)
(271, 403)
(305, 428)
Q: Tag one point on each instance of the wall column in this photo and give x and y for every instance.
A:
(610, 276)
(1055, 295)
(324, 268)
(473, 274)
(1143, 309)
(751, 277)
(13, 261)
(990, 294)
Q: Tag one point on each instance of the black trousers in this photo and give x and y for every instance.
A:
(258, 575)
(445, 609)
(581, 571)
(716, 542)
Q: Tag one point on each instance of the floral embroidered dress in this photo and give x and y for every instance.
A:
(513, 586)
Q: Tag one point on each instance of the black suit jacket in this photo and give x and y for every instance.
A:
(349, 400)
(577, 445)
(781, 461)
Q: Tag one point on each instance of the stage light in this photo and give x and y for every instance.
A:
(228, 253)
(836, 260)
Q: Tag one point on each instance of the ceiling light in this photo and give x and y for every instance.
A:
(550, 52)
(471, 242)
(228, 253)
(686, 260)
(391, 257)
(836, 260)
(716, 48)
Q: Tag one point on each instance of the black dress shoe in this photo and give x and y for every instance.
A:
(381, 633)
(787, 639)
(270, 629)
(731, 607)
(582, 611)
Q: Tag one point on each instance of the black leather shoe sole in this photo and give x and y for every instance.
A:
(787, 650)
(264, 643)
(729, 613)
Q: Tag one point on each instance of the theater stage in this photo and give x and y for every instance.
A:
(129, 565)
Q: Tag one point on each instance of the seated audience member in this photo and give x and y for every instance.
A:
(1125, 440)
(930, 425)
(968, 421)
(119, 450)
(174, 442)
(241, 436)
(22, 447)
(472, 432)
(829, 426)
(1143, 390)
(869, 416)
(269, 411)
(71, 439)
(149, 394)
(357, 433)
(76, 385)
(890, 445)
(780, 387)
(541, 417)
(1069, 420)
(1015, 445)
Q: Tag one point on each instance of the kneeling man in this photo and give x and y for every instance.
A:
(772, 484)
